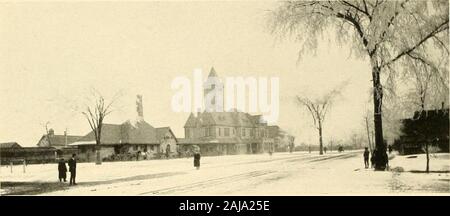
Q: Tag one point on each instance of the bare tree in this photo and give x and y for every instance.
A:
(318, 108)
(430, 88)
(95, 115)
(356, 139)
(47, 132)
(386, 33)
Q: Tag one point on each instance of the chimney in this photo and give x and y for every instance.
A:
(51, 132)
(139, 108)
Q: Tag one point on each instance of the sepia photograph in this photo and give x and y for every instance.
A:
(224, 98)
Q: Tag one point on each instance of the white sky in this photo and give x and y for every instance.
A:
(53, 52)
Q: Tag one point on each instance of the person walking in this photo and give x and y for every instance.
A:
(366, 157)
(62, 170)
(197, 159)
(72, 169)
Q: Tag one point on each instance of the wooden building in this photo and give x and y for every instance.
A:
(129, 140)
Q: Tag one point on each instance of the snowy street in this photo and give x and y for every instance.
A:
(298, 173)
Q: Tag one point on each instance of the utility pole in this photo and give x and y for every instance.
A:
(65, 136)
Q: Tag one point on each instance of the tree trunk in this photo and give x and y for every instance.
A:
(320, 139)
(381, 156)
(368, 135)
(98, 158)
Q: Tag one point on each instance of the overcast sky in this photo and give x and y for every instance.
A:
(53, 52)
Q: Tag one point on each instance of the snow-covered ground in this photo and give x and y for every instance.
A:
(298, 173)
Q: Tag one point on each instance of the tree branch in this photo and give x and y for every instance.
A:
(443, 26)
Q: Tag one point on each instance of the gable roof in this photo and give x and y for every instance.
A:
(191, 121)
(232, 119)
(111, 133)
(10, 145)
(139, 132)
(212, 73)
(59, 140)
(161, 132)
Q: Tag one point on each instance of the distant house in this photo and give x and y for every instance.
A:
(9, 145)
(128, 138)
(430, 126)
(56, 141)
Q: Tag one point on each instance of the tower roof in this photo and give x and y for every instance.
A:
(212, 73)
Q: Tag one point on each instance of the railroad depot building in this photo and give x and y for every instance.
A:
(128, 140)
(231, 132)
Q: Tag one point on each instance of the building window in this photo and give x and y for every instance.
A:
(252, 132)
(227, 131)
(243, 132)
(135, 147)
(220, 131)
(211, 131)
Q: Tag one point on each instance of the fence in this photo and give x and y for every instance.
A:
(31, 155)
(17, 161)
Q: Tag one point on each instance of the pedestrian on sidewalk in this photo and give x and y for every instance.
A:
(72, 169)
(366, 157)
(197, 159)
(62, 170)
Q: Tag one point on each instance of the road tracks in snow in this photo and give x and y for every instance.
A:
(244, 176)
(208, 183)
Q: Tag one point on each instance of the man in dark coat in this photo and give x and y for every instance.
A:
(366, 157)
(62, 169)
(72, 169)
(197, 159)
